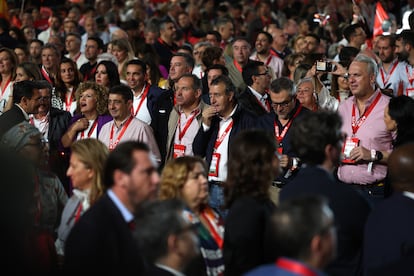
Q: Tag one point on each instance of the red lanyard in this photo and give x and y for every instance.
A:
(267, 107)
(223, 135)
(69, 101)
(144, 95)
(294, 267)
(384, 78)
(5, 87)
(280, 136)
(269, 58)
(181, 133)
(78, 212)
(410, 78)
(238, 67)
(90, 130)
(357, 123)
(113, 144)
(209, 216)
(45, 74)
(91, 74)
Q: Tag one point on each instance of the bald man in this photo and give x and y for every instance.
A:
(389, 237)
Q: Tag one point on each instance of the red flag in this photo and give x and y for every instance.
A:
(380, 16)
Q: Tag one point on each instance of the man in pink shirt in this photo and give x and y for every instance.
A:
(368, 142)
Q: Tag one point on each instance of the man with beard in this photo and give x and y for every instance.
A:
(391, 71)
(404, 48)
(317, 140)
(264, 42)
(165, 45)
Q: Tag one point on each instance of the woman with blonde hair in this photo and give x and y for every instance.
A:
(185, 178)
(92, 113)
(87, 162)
(123, 52)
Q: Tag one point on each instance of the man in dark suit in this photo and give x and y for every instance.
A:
(220, 124)
(102, 241)
(318, 141)
(167, 240)
(389, 239)
(26, 100)
(255, 98)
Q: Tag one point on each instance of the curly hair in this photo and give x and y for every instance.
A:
(250, 166)
(175, 174)
(93, 153)
(101, 96)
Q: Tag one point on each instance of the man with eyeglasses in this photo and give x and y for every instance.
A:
(255, 98)
(287, 112)
(317, 139)
(124, 126)
(26, 100)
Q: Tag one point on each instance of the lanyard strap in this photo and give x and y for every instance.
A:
(280, 136)
(90, 130)
(5, 87)
(238, 67)
(294, 267)
(410, 77)
(223, 135)
(356, 124)
(45, 74)
(69, 101)
(182, 132)
(144, 95)
(386, 78)
(113, 144)
(209, 217)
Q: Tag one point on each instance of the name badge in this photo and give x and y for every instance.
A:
(214, 165)
(179, 151)
(349, 144)
(410, 92)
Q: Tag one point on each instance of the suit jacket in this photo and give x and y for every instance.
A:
(204, 141)
(154, 270)
(161, 113)
(251, 103)
(11, 118)
(172, 127)
(389, 233)
(245, 242)
(102, 243)
(153, 94)
(351, 211)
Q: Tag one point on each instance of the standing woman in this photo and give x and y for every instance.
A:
(122, 50)
(252, 166)
(106, 74)
(185, 178)
(86, 167)
(67, 81)
(8, 65)
(92, 100)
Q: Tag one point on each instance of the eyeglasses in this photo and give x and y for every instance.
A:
(265, 73)
(282, 104)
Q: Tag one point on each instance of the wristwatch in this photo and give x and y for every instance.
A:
(378, 155)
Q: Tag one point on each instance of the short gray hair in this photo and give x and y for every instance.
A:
(372, 65)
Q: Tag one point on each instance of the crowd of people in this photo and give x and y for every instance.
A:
(207, 137)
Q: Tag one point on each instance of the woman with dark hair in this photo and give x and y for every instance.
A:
(399, 117)
(106, 74)
(28, 71)
(67, 81)
(252, 166)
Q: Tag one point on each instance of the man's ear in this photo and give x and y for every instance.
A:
(120, 178)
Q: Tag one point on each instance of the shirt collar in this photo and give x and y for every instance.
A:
(259, 96)
(126, 214)
(26, 116)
